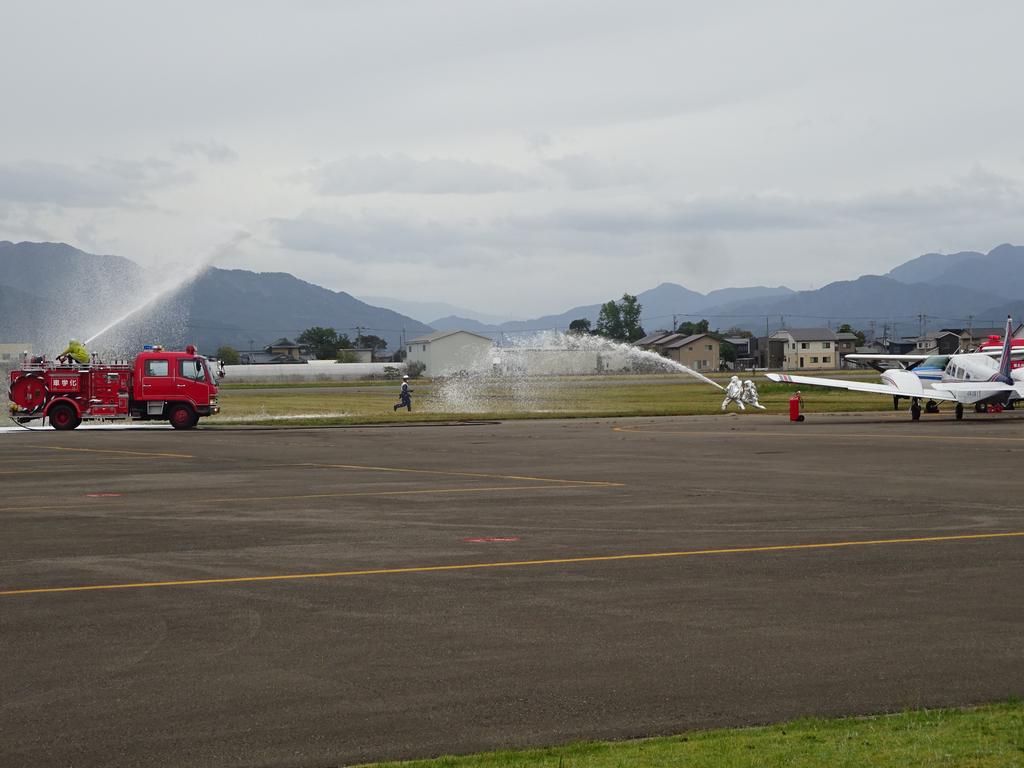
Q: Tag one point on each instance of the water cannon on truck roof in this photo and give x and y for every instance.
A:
(158, 384)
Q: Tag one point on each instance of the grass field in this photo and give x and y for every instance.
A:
(984, 737)
(561, 397)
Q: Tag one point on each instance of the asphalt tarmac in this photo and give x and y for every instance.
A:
(318, 597)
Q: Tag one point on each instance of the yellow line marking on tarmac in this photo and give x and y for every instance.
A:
(799, 432)
(461, 474)
(350, 494)
(514, 563)
(122, 453)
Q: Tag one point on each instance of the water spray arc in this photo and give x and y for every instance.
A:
(524, 374)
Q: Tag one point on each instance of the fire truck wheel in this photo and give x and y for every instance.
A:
(182, 416)
(63, 417)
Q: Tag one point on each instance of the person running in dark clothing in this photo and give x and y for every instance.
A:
(405, 395)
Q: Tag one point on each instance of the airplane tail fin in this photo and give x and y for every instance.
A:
(1007, 358)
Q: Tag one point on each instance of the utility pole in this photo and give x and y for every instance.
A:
(767, 346)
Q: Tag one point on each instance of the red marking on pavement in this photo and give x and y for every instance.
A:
(99, 495)
(489, 539)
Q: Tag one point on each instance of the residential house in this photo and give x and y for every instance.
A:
(746, 351)
(846, 344)
(945, 342)
(648, 341)
(281, 352)
(701, 351)
(807, 348)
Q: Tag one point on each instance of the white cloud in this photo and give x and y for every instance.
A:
(212, 151)
(375, 174)
(107, 183)
(530, 152)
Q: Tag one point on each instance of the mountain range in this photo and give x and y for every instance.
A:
(50, 292)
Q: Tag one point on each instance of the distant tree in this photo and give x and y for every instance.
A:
(347, 356)
(580, 327)
(737, 332)
(727, 351)
(845, 328)
(323, 341)
(375, 343)
(344, 342)
(227, 355)
(620, 320)
(399, 355)
(609, 321)
(692, 329)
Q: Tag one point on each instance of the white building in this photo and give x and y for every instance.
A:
(447, 352)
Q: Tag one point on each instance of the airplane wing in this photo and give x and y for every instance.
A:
(860, 386)
(974, 391)
(863, 357)
(907, 362)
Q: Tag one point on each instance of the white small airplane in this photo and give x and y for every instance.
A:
(970, 378)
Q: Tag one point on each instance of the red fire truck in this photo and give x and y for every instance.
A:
(175, 386)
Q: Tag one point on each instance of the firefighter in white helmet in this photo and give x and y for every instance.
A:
(405, 396)
(749, 394)
(734, 394)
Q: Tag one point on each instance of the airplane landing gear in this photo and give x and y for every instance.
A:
(931, 407)
(915, 410)
(895, 402)
(959, 411)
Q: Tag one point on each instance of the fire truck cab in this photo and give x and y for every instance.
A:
(178, 387)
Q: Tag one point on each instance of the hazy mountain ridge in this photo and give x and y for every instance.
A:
(658, 304)
(50, 292)
(239, 307)
(427, 311)
(858, 302)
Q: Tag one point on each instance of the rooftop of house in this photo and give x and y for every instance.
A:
(683, 341)
(428, 338)
(809, 334)
(650, 338)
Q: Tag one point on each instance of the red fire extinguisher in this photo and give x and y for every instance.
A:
(794, 407)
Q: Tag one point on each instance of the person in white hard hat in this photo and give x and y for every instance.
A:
(734, 394)
(749, 395)
(405, 396)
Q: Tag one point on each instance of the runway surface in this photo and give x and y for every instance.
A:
(314, 597)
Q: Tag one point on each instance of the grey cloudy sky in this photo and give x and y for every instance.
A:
(515, 157)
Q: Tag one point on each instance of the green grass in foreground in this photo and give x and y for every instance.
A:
(986, 737)
(579, 397)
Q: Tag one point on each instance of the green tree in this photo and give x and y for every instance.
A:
(692, 329)
(227, 355)
(845, 328)
(323, 341)
(727, 351)
(373, 343)
(737, 332)
(580, 327)
(620, 320)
